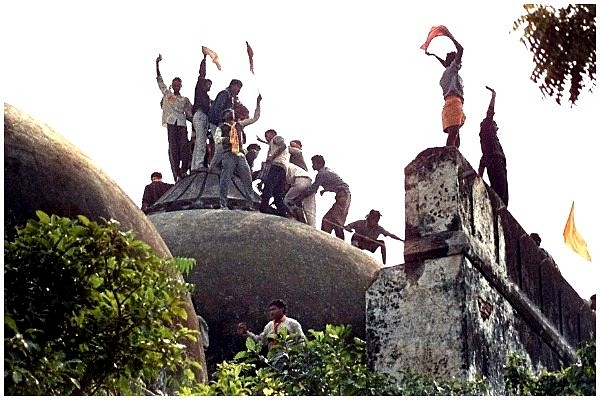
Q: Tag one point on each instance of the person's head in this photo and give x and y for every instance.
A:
(373, 217)
(536, 238)
(227, 115)
(206, 85)
(488, 125)
(449, 58)
(241, 112)
(277, 309)
(254, 147)
(296, 143)
(156, 177)
(176, 84)
(318, 162)
(270, 134)
(235, 86)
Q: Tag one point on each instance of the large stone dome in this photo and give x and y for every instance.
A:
(245, 259)
(42, 170)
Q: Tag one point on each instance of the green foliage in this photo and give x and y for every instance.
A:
(327, 363)
(575, 380)
(563, 43)
(90, 310)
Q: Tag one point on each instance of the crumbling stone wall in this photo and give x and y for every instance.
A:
(474, 287)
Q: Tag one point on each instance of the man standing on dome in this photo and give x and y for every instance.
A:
(177, 110)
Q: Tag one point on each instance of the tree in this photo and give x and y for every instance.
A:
(563, 43)
(90, 310)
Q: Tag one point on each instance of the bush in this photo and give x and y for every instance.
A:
(327, 363)
(90, 310)
(575, 380)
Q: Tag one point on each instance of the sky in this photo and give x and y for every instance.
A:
(346, 78)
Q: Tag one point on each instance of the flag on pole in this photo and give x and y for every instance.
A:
(214, 57)
(250, 56)
(573, 239)
(435, 31)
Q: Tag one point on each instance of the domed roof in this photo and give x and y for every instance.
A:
(246, 259)
(43, 171)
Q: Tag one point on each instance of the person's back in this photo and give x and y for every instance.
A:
(154, 190)
(362, 228)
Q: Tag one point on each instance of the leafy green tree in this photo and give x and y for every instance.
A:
(563, 43)
(90, 310)
(575, 380)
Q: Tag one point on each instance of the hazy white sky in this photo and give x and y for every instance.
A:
(346, 78)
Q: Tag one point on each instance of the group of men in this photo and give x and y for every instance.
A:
(217, 143)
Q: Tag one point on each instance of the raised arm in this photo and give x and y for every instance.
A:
(202, 70)
(158, 59)
(459, 48)
(256, 116)
(439, 59)
(490, 110)
(161, 84)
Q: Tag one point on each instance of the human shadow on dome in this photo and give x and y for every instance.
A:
(201, 190)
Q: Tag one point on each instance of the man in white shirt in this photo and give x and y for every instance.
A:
(177, 110)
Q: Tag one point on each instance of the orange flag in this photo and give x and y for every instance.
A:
(573, 239)
(212, 55)
(250, 56)
(435, 31)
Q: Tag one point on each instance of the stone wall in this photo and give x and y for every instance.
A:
(474, 286)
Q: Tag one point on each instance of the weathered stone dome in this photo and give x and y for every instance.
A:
(42, 170)
(245, 259)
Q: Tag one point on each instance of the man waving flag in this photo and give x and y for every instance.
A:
(573, 239)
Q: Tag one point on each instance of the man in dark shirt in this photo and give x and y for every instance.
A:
(492, 157)
(200, 110)
(154, 190)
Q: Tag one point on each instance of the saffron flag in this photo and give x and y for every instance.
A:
(250, 56)
(573, 239)
(435, 31)
(214, 57)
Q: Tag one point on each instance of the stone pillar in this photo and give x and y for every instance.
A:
(451, 309)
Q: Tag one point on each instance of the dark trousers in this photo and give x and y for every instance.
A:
(274, 187)
(178, 149)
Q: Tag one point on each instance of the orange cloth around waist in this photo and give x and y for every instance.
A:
(452, 113)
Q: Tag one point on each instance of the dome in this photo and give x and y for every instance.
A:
(245, 259)
(43, 171)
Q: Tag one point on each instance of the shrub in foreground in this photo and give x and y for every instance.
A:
(90, 310)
